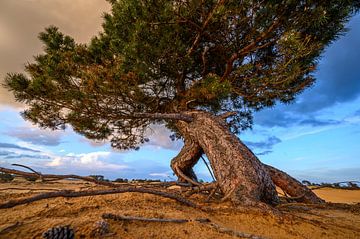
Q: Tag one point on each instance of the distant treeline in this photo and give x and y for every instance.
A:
(341, 185)
(123, 180)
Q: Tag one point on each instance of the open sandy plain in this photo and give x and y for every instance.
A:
(289, 220)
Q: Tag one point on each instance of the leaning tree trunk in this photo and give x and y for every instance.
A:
(239, 173)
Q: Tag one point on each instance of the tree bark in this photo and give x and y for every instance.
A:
(183, 163)
(292, 187)
(240, 175)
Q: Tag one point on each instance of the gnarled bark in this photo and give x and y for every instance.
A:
(183, 163)
(292, 187)
(239, 173)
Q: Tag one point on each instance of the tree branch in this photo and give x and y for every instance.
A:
(146, 219)
(173, 116)
(250, 47)
(54, 176)
(206, 23)
(71, 194)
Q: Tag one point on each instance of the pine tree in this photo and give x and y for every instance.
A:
(200, 67)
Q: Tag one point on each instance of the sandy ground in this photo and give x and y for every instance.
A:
(286, 221)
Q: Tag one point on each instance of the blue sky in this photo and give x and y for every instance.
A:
(316, 138)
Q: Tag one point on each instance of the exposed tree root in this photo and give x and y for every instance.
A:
(201, 188)
(24, 166)
(202, 221)
(30, 189)
(292, 187)
(70, 194)
(180, 174)
(54, 176)
(146, 219)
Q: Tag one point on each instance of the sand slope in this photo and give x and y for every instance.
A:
(288, 221)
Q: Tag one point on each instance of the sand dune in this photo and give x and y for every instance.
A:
(287, 221)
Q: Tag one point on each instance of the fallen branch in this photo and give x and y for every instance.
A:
(146, 219)
(32, 170)
(71, 194)
(232, 232)
(10, 227)
(202, 221)
(30, 189)
(54, 176)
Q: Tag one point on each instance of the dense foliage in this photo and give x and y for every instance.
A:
(170, 56)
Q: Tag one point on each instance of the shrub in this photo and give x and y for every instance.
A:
(6, 177)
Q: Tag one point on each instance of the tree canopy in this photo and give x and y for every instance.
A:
(155, 59)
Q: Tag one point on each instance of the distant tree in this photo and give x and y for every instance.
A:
(307, 183)
(98, 177)
(201, 68)
(6, 177)
(121, 180)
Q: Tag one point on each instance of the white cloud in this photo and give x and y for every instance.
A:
(164, 175)
(159, 137)
(93, 160)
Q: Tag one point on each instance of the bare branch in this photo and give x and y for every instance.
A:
(24, 166)
(146, 219)
(206, 23)
(54, 176)
(71, 194)
(202, 221)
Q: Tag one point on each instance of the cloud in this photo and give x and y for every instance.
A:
(338, 75)
(88, 161)
(264, 153)
(266, 144)
(36, 136)
(14, 146)
(315, 122)
(338, 81)
(328, 175)
(159, 137)
(25, 156)
(21, 21)
(5, 153)
(161, 175)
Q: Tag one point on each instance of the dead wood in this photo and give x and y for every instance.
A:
(232, 232)
(146, 219)
(10, 227)
(70, 194)
(54, 176)
(202, 221)
(27, 167)
(208, 167)
(30, 189)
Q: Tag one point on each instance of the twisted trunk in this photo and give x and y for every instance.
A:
(240, 175)
(189, 155)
